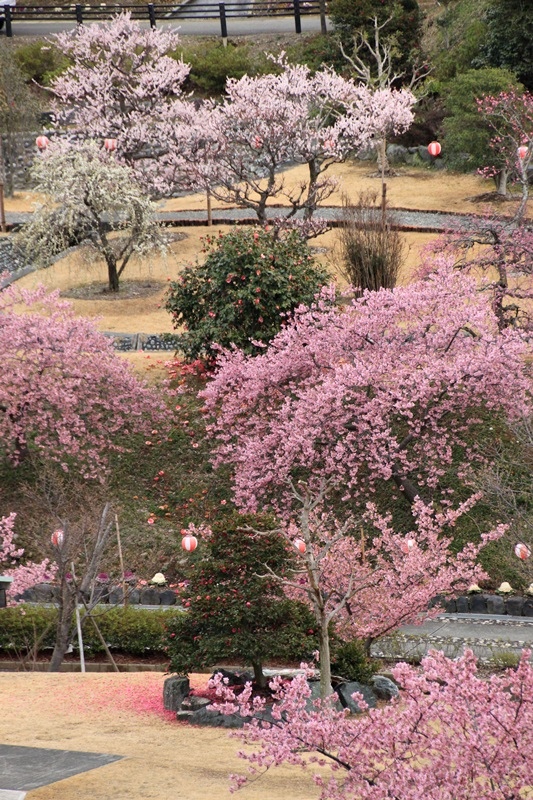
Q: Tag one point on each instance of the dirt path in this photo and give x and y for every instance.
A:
(122, 715)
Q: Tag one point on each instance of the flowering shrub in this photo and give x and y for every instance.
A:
(249, 282)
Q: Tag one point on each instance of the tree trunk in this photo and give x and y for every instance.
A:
(310, 205)
(326, 688)
(67, 605)
(383, 161)
(501, 182)
(112, 274)
(259, 676)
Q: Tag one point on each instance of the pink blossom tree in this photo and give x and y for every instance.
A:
(510, 116)
(342, 400)
(238, 149)
(380, 390)
(64, 394)
(122, 84)
(24, 575)
(452, 735)
(369, 579)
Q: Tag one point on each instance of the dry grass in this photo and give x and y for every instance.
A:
(412, 188)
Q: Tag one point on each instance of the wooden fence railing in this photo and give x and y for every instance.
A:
(155, 12)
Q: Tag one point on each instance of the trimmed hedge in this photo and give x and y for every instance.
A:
(130, 630)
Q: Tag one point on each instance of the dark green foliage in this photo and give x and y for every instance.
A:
(40, 61)
(233, 613)
(212, 64)
(457, 37)
(403, 33)
(509, 38)
(466, 135)
(351, 662)
(250, 280)
(126, 629)
(318, 51)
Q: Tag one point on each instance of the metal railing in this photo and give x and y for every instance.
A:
(153, 12)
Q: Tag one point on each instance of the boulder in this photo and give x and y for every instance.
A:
(193, 703)
(384, 688)
(116, 596)
(527, 608)
(43, 593)
(175, 690)
(397, 154)
(234, 677)
(210, 718)
(345, 691)
(463, 605)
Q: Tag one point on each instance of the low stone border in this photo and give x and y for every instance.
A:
(484, 603)
(110, 595)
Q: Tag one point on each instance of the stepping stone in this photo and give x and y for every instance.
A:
(26, 768)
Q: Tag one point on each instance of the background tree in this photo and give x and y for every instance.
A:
(235, 610)
(23, 575)
(90, 194)
(446, 738)
(239, 148)
(250, 281)
(401, 32)
(466, 134)
(123, 84)
(64, 394)
(19, 113)
(508, 42)
(509, 115)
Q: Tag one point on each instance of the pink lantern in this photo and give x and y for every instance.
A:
(110, 145)
(407, 545)
(300, 545)
(57, 538)
(189, 543)
(434, 149)
(522, 152)
(42, 142)
(522, 551)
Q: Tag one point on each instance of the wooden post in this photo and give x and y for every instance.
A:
(121, 562)
(3, 225)
(223, 23)
(209, 210)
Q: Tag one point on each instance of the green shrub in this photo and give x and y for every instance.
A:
(24, 626)
(250, 280)
(40, 62)
(233, 612)
(212, 64)
(351, 662)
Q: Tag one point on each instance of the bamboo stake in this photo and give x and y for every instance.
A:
(121, 562)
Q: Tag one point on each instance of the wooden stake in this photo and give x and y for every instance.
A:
(121, 562)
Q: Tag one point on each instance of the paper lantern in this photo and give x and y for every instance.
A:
(434, 149)
(57, 538)
(300, 545)
(522, 551)
(110, 145)
(407, 545)
(522, 152)
(42, 142)
(189, 543)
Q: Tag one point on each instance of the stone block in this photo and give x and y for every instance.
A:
(43, 593)
(478, 603)
(150, 597)
(210, 718)
(495, 604)
(463, 604)
(527, 608)
(193, 703)
(345, 691)
(175, 690)
(134, 597)
(116, 595)
(514, 606)
(167, 597)
(450, 606)
(234, 677)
